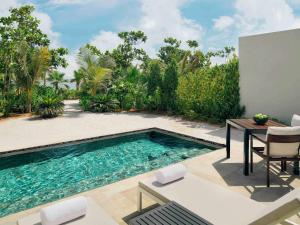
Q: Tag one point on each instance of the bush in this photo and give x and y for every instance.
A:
(154, 101)
(211, 93)
(99, 103)
(3, 107)
(12, 103)
(18, 103)
(50, 106)
(70, 94)
(169, 87)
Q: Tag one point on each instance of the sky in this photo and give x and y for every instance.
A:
(213, 23)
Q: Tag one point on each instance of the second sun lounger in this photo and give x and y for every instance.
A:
(216, 204)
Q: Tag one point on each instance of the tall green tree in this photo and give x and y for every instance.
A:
(193, 44)
(154, 77)
(58, 81)
(32, 63)
(193, 59)
(95, 76)
(169, 86)
(16, 29)
(78, 78)
(128, 51)
(171, 51)
(57, 60)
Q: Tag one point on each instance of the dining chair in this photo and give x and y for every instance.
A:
(281, 144)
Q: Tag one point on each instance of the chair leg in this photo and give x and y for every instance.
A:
(268, 173)
(251, 154)
(251, 161)
(282, 166)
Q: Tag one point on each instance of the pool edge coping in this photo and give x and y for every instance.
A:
(107, 136)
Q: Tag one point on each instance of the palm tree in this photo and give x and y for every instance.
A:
(32, 64)
(78, 78)
(93, 74)
(97, 78)
(57, 80)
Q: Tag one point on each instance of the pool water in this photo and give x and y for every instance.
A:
(31, 179)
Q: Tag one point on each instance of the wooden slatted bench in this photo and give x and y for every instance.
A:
(169, 214)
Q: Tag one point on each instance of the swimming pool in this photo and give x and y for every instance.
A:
(31, 179)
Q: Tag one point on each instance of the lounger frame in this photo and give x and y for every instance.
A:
(142, 190)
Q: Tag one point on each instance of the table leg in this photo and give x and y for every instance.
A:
(246, 152)
(228, 134)
(296, 167)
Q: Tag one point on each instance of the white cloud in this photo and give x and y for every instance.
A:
(106, 40)
(102, 3)
(69, 71)
(6, 5)
(46, 21)
(223, 22)
(46, 27)
(159, 19)
(255, 16)
(68, 2)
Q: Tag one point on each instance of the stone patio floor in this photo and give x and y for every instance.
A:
(119, 199)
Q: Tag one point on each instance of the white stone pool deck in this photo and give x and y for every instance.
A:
(119, 199)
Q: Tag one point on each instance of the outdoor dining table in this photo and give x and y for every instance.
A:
(248, 126)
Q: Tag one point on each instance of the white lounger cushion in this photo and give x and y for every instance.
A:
(170, 173)
(210, 201)
(95, 215)
(281, 209)
(283, 149)
(64, 211)
(295, 120)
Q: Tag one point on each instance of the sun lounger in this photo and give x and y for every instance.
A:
(95, 215)
(216, 204)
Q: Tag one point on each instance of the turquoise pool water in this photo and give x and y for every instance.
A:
(32, 179)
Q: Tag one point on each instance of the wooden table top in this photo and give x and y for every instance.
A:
(250, 124)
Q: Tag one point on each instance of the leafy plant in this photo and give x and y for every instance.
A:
(50, 106)
(70, 94)
(58, 81)
(212, 93)
(169, 87)
(100, 103)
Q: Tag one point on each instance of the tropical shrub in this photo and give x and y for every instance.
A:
(25, 59)
(18, 103)
(154, 77)
(50, 106)
(211, 93)
(70, 94)
(4, 107)
(13, 103)
(169, 87)
(154, 101)
(99, 103)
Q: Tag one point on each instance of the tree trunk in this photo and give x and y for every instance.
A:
(29, 100)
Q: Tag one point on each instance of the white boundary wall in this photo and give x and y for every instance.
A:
(270, 74)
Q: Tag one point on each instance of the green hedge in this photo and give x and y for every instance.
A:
(211, 93)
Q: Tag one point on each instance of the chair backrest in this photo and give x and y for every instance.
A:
(283, 141)
(295, 120)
